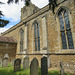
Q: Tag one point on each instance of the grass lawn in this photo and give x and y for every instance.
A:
(9, 71)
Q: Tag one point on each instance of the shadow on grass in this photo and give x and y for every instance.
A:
(50, 73)
(54, 72)
(10, 71)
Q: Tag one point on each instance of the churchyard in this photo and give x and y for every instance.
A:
(15, 67)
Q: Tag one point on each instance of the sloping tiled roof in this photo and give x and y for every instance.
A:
(7, 39)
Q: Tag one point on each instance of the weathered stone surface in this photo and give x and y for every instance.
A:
(9, 48)
(26, 63)
(34, 67)
(12, 62)
(44, 66)
(4, 62)
(61, 68)
(17, 64)
(6, 56)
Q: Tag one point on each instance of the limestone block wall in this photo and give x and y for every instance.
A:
(15, 33)
(68, 61)
(8, 48)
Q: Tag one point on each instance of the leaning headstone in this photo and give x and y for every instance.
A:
(5, 62)
(12, 62)
(44, 66)
(61, 68)
(17, 64)
(26, 63)
(34, 67)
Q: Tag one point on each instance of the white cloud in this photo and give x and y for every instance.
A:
(13, 10)
(40, 3)
(3, 29)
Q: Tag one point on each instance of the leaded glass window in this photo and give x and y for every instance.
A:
(65, 30)
(37, 37)
(63, 37)
(21, 39)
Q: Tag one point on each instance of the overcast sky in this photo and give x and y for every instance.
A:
(12, 11)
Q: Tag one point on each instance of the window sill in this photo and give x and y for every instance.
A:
(67, 51)
(21, 53)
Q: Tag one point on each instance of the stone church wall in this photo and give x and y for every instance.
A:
(8, 48)
(53, 49)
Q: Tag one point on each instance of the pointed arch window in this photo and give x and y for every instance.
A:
(65, 30)
(21, 39)
(37, 37)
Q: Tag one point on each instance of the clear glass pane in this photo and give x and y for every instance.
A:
(70, 40)
(63, 37)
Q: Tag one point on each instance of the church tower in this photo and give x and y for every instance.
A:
(28, 9)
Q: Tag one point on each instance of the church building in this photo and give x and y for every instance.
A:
(42, 32)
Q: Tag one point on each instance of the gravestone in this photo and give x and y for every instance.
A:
(5, 62)
(34, 67)
(17, 64)
(44, 67)
(61, 68)
(12, 62)
(26, 63)
(6, 56)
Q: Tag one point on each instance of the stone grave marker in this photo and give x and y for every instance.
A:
(6, 56)
(12, 62)
(26, 62)
(34, 67)
(4, 62)
(17, 64)
(44, 66)
(61, 68)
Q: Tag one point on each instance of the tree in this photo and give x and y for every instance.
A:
(5, 22)
(52, 5)
(16, 1)
(2, 21)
